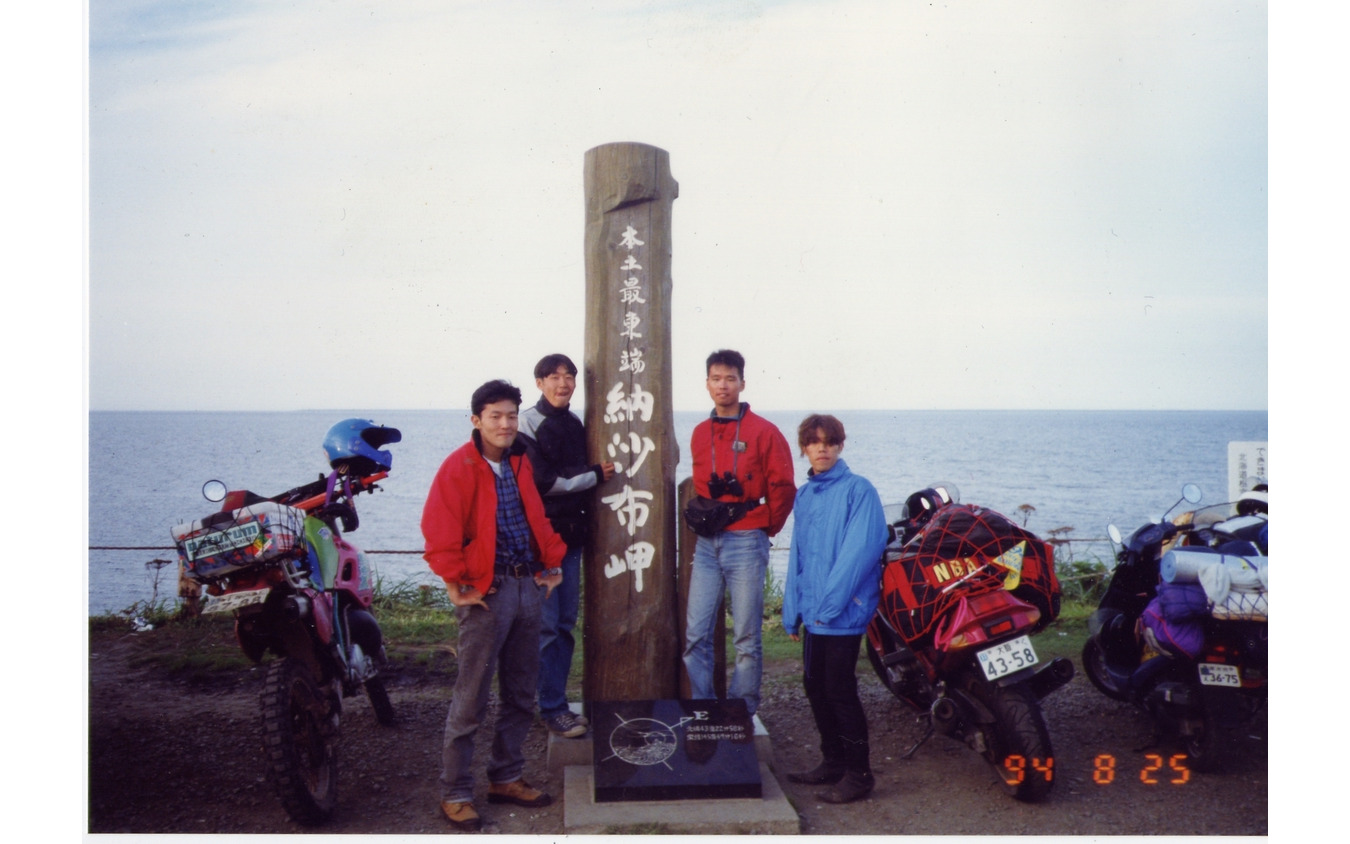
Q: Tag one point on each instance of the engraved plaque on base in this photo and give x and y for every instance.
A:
(673, 750)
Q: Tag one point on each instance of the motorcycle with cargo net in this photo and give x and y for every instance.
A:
(963, 589)
(301, 592)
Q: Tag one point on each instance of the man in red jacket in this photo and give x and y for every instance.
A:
(740, 458)
(487, 537)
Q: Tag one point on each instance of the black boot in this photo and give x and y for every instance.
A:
(854, 785)
(822, 774)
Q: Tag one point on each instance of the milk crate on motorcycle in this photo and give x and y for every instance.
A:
(224, 543)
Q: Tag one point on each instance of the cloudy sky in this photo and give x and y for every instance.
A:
(882, 204)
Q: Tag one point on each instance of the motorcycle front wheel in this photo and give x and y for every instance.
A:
(1017, 743)
(379, 701)
(1094, 665)
(299, 742)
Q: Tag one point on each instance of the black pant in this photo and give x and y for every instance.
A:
(831, 683)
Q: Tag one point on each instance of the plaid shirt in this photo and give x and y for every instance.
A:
(513, 530)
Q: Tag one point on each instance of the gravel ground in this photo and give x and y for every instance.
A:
(168, 755)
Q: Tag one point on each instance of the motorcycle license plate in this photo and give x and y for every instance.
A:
(1006, 657)
(236, 600)
(1214, 674)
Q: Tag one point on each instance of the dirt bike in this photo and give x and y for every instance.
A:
(300, 591)
(963, 588)
(1181, 630)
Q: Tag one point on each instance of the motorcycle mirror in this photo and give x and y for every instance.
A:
(1114, 532)
(1190, 493)
(214, 490)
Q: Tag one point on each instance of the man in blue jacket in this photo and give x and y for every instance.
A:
(833, 585)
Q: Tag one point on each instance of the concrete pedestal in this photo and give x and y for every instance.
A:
(771, 814)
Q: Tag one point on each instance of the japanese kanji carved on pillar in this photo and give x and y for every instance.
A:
(631, 647)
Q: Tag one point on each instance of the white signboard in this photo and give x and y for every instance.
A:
(1248, 465)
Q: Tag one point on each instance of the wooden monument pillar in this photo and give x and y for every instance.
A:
(631, 644)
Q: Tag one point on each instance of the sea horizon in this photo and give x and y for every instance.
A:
(1075, 470)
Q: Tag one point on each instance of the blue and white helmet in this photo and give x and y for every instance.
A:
(357, 443)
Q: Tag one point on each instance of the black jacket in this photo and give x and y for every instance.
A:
(555, 441)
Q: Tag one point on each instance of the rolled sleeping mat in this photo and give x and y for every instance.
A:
(1183, 566)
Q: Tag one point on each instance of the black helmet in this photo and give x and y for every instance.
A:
(357, 442)
(921, 506)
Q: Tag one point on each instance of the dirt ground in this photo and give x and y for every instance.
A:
(170, 755)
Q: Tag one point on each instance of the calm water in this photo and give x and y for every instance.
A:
(1078, 469)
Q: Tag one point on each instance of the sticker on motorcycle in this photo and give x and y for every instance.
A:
(1214, 674)
(1012, 561)
(945, 572)
(1007, 657)
(217, 542)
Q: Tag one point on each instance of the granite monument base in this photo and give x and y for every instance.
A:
(673, 750)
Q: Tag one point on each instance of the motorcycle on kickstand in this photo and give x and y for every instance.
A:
(963, 590)
(300, 591)
(1182, 628)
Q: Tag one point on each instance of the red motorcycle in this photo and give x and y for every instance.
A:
(963, 588)
(299, 590)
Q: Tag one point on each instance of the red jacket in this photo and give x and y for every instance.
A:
(459, 520)
(764, 468)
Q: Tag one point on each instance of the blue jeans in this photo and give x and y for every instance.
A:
(503, 640)
(735, 561)
(556, 642)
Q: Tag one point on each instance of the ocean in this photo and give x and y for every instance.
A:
(1078, 469)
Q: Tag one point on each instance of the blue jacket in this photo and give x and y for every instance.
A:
(834, 572)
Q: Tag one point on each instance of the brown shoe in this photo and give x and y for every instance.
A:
(462, 816)
(518, 792)
(854, 785)
(822, 774)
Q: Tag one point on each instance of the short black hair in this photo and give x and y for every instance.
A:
(493, 392)
(727, 357)
(549, 364)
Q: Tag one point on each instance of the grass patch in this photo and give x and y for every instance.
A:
(414, 614)
(1066, 635)
(420, 631)
(416, 620)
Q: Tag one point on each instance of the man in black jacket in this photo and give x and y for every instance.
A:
(555, 440)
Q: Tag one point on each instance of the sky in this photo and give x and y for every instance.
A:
(882, 205)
